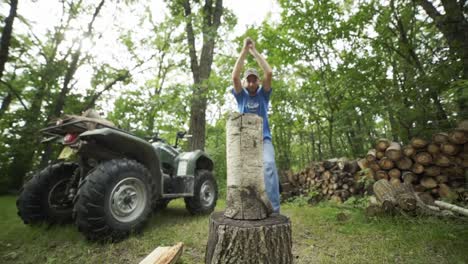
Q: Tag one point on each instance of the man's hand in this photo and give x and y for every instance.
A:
(248, 43)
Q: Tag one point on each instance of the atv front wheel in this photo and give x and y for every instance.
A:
(114, 201)
(44, 197)
(205, 194)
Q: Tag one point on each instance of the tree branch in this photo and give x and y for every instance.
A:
(15, 93)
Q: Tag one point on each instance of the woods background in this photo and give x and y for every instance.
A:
(345, 74)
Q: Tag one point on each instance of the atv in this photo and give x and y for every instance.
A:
(109, 181)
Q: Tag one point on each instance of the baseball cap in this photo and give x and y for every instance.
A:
(251, 72)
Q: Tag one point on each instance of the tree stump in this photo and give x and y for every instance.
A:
(244, 241)
(246, 232)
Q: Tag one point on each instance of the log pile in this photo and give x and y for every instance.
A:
(437, 167)
(333, 179)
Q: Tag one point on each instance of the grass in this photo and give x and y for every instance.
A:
(318, 237)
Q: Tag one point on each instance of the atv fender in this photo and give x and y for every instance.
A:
(128, 146)
(188, 163)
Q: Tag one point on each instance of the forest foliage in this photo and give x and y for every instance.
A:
(345, 73)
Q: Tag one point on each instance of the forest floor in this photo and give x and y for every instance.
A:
(318, 237)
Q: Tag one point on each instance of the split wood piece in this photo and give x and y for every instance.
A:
(394, 173)
(423, 158)
(164, 255)
(404, 163)
(428, 182)
(262, 241)
(246, 196)
(442, 160)
(381, 174)
(442, 178)
(444, 191)
(418, 143)
(408, 151)
(409, 177)
(417, 168)
(393, 151)
(363, 164)
(382, 144)
(386, 163)
(380, 154)
(433, 148)
(385, 194)
(374, 166)
(449, 149)
(395, 182)
(371, 155)
(458, 137)
(440, 138)
(432, 171)
(452, 207)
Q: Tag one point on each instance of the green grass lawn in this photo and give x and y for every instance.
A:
(318, 237)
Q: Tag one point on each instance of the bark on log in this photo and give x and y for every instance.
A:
(386, 163)
(452, 207)
(393, 151)
(246, 196)
(423, 158)
(385, 194)
(440, 138)
(262, 241)
(404, 163)
(382, 144)
(418, 143)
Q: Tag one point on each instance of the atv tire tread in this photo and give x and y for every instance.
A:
(193, 204)
(92, 217)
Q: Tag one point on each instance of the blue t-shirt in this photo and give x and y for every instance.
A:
(257, 104)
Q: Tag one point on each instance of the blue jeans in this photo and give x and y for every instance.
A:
(271, 175)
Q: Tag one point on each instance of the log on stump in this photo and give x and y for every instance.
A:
(246, 196)
(261, 241)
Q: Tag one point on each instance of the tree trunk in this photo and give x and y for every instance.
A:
(6, 36)
(261, 241)
(201, 70)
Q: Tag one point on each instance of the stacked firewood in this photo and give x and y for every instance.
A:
(438, 167)
(331, 179)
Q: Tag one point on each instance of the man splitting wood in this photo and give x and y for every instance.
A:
(253, 98)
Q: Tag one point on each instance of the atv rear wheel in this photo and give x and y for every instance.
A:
(114, 201)
(205, 194)
(44, 197)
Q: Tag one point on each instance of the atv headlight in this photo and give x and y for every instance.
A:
(182, 169)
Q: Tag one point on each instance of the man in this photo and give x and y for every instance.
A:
(252, 97)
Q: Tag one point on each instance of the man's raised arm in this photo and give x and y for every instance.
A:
(267, 72)
(239, 65)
